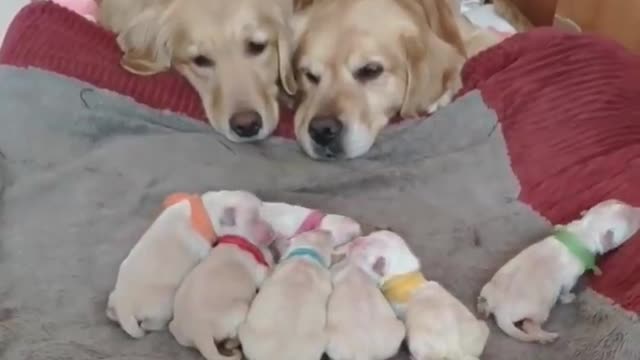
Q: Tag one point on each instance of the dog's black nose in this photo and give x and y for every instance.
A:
(246, 124)
(325, 130)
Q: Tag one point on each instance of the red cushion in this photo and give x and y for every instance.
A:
(568, 105)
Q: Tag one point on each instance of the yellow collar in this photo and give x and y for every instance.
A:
(398, 289)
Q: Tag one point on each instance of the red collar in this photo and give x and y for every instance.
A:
(311, 222)
(244, 245)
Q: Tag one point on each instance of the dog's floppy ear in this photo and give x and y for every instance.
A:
(285, 52)
(431, 69)
(146, 44)
(441, 18)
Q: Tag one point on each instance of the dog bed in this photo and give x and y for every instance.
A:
(546, 126)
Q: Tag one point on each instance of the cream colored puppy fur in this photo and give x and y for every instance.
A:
(287, 219)
(288, 316)
(438, 325)
(150, 275)
(528, 286)
(214, 298)
(361, 325)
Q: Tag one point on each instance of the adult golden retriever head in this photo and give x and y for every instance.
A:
(232, 52)
(360, 62)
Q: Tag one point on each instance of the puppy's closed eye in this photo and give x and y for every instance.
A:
(368, 72)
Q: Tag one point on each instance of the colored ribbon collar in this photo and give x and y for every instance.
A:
(307, 253)
(311, 222)
(572, 242)
(244, 245)
(400, 288)
(200, 219)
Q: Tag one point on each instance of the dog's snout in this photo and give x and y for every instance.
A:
(325, 130)
(246, 124)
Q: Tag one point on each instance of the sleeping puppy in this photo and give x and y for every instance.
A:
(148, 278)
(290, 220)
(288, 316)
(361, 325)
(438, 325)
(214, 298)
(528, 286)
(232, 53)
(354, 76)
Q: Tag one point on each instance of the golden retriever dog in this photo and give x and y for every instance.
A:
(360, 62)
(232, 52)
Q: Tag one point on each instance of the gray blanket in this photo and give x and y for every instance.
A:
(85, 170)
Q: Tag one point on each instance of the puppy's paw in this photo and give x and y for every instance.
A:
(548, 338)
(567, 298)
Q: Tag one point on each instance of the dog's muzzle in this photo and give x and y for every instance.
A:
(326, 133)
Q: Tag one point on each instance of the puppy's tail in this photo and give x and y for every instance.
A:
(209, 350)
(512, 330)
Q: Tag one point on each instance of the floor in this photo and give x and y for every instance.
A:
(8, 8)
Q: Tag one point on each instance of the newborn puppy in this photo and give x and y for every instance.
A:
(176, 241)
(438, 325)
(288, 316)
(214, 298)
(290, 220)
(526, 288)
(361, 325)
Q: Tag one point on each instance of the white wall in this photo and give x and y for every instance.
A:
(8, 9)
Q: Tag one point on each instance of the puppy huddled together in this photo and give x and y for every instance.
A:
(231, 275)
(347, 66)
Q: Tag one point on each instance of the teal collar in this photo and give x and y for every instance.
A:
(308, 253)
(576, 248)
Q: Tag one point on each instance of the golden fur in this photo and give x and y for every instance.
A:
(232, 52)
(360, 62)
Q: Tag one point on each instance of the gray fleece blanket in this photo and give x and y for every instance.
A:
(84, 172)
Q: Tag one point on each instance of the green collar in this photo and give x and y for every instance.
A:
(308, 253)
(575, 247)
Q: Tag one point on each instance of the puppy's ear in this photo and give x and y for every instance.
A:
(432, 69)
(285, 52)
(441, 18)
(146, 44)
(228, 217)
(380, 266)
(607, 240)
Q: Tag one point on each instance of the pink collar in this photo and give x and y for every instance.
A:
(244, 245)
(311, 222)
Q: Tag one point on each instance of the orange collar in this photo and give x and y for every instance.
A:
(200, 219)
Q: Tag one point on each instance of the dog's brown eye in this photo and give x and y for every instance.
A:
(202, 61)
(311, 77)
(256, 48)
(368, 72)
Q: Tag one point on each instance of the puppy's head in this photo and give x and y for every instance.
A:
(238, 213)
(343, 229)
(383, 254)
(611, 222)
(360, 62)
(318, 240)
(232, 52)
